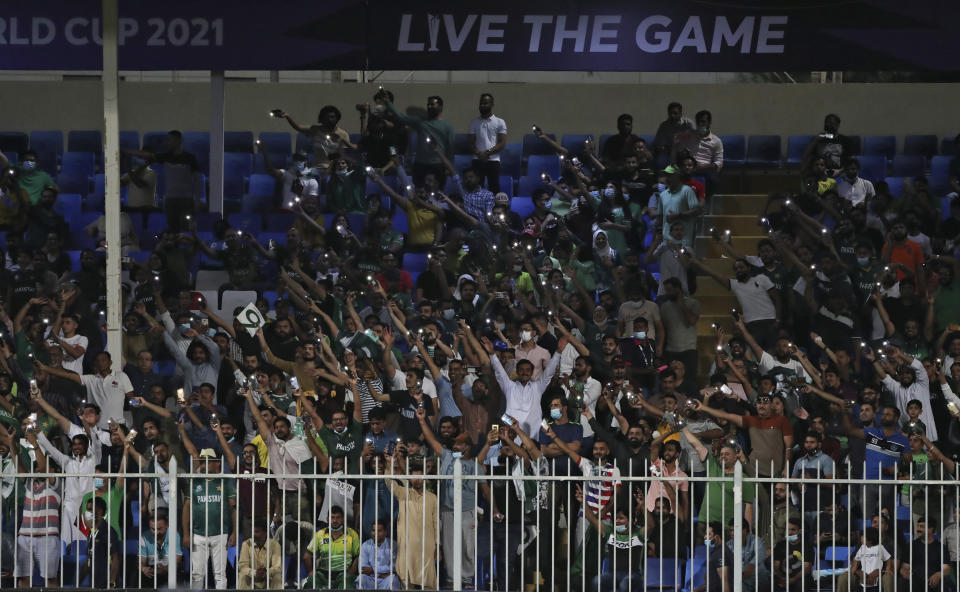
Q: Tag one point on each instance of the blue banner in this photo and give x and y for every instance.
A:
(612, 35)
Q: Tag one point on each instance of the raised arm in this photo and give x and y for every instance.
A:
(699, 265)
(754, 346)
(694, 441)
(730, 417)
(428, 433)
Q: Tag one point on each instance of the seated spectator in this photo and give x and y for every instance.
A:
(377, 556)
(155, 545)
(259, 560)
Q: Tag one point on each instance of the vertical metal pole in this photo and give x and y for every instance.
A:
(737, 527)
(172, 524)
(111, 169)
(457, 525)
(215, 196)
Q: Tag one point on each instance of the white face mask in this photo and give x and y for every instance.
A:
(526, 336)
(88, 517)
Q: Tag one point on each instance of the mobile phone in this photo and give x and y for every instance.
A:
(735, 314)
(214, 420)
(496, 428)
(295, 383)
(204, 322)
(133, 402)
(544, 425)
(131, 435)
(276, 113)
(726, 389)
(506, 419)
(393, 151)
(181, 399)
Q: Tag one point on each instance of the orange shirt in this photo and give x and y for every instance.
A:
(909, 254)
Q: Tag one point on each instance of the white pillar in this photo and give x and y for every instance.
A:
(111, 169)
(215, 197)
(738, 527)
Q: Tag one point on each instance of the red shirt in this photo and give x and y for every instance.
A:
(698, 189)
(910, 254)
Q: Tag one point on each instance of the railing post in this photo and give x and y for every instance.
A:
(172, 530)
(457, 525)
(738, 527)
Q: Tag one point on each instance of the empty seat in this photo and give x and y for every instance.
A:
(924, 145)
(908, 165)
(415, 262)
(885, 146)
(574, 142)
(841, 555)
(278, 160)
(198, 144)
(211, 279)
(74, 260)
(763, 151)
(511, 159)
(506, 184)
(461, 144)
(156, 141)
(15, 142)
(12, 158)
(238, 141)
(461, 162)
(400, 223)
(895, 185)
(948, 145)
(522, 206)
(75, 174)
(734, 150)
(796, 145)
(130, 139)
(661, 573)
(85, 141)
(246, 221)
(68, 205)
(260, 184)
(940, 165)
(237, 166)
(279, 222)
(48, 145)
(534, 145)
(873, 168)
(527, 184)
(543, 163)
(276, 142)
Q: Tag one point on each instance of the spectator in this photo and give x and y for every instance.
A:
(328, 138)
(871, 566)
(377, 555)
(108, 388)
(155, 550)
(851, 187)
(669, 129)
(260, 560)
(431, 130)
(719, 560)
(208, 516)
(620, 144)
(418, 525)
(331, 557)
(793, 559)
(103, 548)
(523, 395)
(182, 177)
(705, 147)
(488, 136)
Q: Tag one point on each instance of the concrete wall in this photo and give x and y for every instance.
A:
(737, 108)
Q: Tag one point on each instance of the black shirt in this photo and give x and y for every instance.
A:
(407, 408)
(102, 544)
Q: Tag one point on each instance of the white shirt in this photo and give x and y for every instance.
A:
(755, 302)
(591, 394)
(486, 131)
(523, 400)
(855, 192)
(69, 362)
(871, 559)
(109, 392)
(919, 390)
(768, 364)
(74, 488)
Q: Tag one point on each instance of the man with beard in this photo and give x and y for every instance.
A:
(107, 388)
(912, 383)
(239, 260)
(883, 449)
(208, 521)
(488, 136)
(946, 298)
(570, 432)
(156, 492)
(904, 255)
(302, 366)
(432, 130)
(201, 363)
(393, 279)
(252, 493)
(621, 143)
(781, 361)
(584, 390)
(674, 124)
(679, 314)
(830, 145)
(675, 493)
(523, 395)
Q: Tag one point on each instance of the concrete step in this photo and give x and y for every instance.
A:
(737, 224)
(744, 244)
(742, 203)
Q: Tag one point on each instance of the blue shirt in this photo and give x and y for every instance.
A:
(448, 407)
(380, 558)
(150, 550)
(882, 452)
(383, 442)
(469, 485)
(567, 433)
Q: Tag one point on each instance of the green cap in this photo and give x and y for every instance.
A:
(671, 170)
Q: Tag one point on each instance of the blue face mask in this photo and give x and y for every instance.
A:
(301, 166)
(547, 204)
(661, 187)
(556, 414)
(185, 327)
(97, 482)
(621, 528)
(457, 455)
(640, 335)
(211, 332)
(792, 538)
(863, 261)
(708, 543)
(448, 314)
(609, 192)
(29, 165)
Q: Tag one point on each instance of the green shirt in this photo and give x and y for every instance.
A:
(345, 193)
(718, 502)
(114, 499)
(208, 512)
(347, 444)
(946, 305)
(33, 183)
(334, 555)
(438, 130)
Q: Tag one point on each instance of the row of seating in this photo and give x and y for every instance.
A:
(740, 150)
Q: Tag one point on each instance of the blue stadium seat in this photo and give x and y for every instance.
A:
(895, 185)
(75, 174)
(873, 168)
(68, 205)
(506, 184)
(527, 184)
(924, 145)
(49, 146)
(796, 145)
(523, 206)
(198, 144)
(260, 184)
(12, 158)
(939, 184)
(762, 151)
(74, 260)
(840, 555)
(734, 150)
(137, 221)
(695, 574)
(304, 143)
(85, 141)
(253, 203)
(461, 162)
(660, 572)
(278, 160)
(907, 165)
(130, 139)
(238, 141)
(940, 165)
(15, 142)
(947, 145)
(855, 144)
(511, 159)
(279, 222)
(156, 223)
(415, 262)
(236, 167)
(139, 256)
(534, 145)
(246, 222)
(400, 223)
(461, 144)
(574, 142)
(885, 146)
(157, 141)
(264, 238)
(165, 367)
(543, 163)
(276, 142)
(78, 223)
(271, 297)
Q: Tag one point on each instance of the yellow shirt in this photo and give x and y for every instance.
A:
(421, 224)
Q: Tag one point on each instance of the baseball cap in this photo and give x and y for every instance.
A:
(670, 170)
(501, 196)
(500, 345)
(618, 362)
(411, 355)
(208, 453)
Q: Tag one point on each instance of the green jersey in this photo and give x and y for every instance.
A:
(334, 555)
(718, 504)
(210, 506)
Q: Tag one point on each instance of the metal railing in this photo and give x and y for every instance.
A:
(445, 524)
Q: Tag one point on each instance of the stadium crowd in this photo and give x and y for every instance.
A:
(559, 343)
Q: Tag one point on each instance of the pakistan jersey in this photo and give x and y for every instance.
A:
(210, 506)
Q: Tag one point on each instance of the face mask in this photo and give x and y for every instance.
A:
(526, 336)
(547, 204)
(708, 543)
(448, 314)
(556, 413)
(457, 454)
(29, 165)
(211, 332)
(336, 528)
(501, 326)
(88, 517)
(343, 173)
(661, 187)
(97, 482)
(185, 327)
(863, 261)
(369, 333)
(621, 528)
(339, 430)
(703, 130)
(609, 192)
(640, 335)
(792, 538)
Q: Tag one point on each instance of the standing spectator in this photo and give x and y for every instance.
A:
(871, 566)
(851, 187)
(260, 560)
(669, 129)
(488, 136)
(329, 139)
(85, 456)
(432, 130)
(570, 432)
(912, 383)
(108, 388)
(677, 493)
(679, 202)
(208, 515)
(141, 184)
(679, 314)
(200, 365)
(418, 523)
(883, 448)
(377, 555)
(718, 501)
(902, 254)
(830, 146)
(705, 147)
(16, 201)
(620, 144)
(757, 295)
(182, 178)
(64, 334)
(523, 395)
(332, 555)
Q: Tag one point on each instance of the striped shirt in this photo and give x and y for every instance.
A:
(599, 491)
(41, 508)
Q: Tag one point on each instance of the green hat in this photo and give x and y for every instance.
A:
(671, 170)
